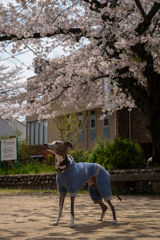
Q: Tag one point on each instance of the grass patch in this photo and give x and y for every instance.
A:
(32, 192)
(28, 168)
(26, 192)
(82, 191)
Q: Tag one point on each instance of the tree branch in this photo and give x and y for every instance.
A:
(142, 27)
(97, 4)
(139, 6)
(58, 96)
(154, 27)
(75, 31)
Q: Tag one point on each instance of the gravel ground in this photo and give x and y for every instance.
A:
(27, 216)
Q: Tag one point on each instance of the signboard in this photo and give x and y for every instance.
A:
(9, 150)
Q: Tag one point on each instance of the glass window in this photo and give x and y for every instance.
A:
(80, 139)
(93, 113)
(41, 133)
(92, 125)
(106, 127)
(32, 133)
(106, 122)
(106, 132)
(36, 132)
(45, 131)
(93, 134)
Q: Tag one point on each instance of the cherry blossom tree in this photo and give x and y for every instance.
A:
(10, 88)
(118, 40)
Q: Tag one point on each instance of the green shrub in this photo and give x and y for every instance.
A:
(120, 154)
(24, 152)
(86, 156)
(99, 153)
(79, 155)
(49, 160)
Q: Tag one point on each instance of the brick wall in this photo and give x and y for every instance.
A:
(123, 123)
(138, 121)
(139, 131)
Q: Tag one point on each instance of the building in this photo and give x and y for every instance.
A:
(8, 127)
(124, 123)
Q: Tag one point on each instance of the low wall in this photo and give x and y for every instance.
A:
(29, 181)
(139, 180)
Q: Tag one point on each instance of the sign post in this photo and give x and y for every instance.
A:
(0, 154)
(9, 150)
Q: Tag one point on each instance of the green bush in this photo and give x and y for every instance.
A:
(79, 155)
(86, 156)
(49, 160)
(99, 153)
(120, 154)
(24, 152)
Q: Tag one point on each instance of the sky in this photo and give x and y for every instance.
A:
(25, 59)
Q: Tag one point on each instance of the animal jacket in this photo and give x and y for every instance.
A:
(76, 176)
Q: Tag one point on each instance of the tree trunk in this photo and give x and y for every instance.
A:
(146, 98)
(153, 118)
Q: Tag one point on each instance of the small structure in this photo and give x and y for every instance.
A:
(8, 127)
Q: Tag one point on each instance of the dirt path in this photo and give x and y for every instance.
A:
(28, 217)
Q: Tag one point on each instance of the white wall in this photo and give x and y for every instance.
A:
(6, 128)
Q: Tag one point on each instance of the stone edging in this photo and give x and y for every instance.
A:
(29, 181)
(135, 175)
(48, 181)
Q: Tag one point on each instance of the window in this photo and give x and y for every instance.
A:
(106, 127)
(80, 139)
(45, 126)
(92, 125)
(69, 128)
(41, 133)
(27, 132)
(32, 133)
(37, 132)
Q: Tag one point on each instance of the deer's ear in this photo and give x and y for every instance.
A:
(68, 144)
